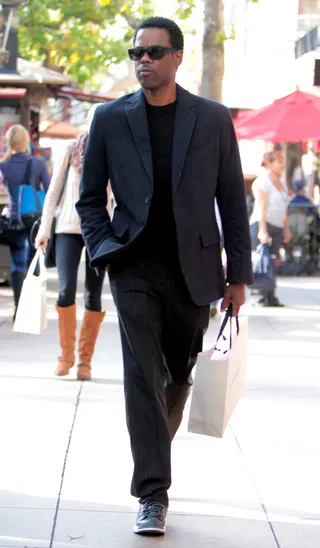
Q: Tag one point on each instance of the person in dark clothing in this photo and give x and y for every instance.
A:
(168, 155)
(300, 199)
(305, 219)
(12, 173)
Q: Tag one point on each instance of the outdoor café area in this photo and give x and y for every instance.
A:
(292, 124)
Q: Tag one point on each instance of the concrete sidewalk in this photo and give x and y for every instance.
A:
(65, 462)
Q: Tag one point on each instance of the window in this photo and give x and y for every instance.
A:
(309, 7)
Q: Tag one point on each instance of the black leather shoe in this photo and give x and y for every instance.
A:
(269, 302)
(151, 519)
(273, 301)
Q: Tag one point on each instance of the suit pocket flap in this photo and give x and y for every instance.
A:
(209, 237)
(199, 147)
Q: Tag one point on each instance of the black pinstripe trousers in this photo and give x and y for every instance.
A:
(161, 333)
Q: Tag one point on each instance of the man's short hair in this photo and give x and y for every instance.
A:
(173, 30)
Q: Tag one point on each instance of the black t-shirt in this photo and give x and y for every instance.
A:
(159, 239)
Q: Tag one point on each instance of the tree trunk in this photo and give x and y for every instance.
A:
(213, 50)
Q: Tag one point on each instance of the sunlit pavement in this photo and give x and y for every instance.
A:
(65, 462)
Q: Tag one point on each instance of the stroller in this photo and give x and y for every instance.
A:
(303, 251)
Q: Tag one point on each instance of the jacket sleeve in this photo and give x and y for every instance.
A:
(92, 205)
(233, 206)
(53, 193)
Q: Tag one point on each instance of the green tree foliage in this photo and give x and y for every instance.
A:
(81, 37)
(78, 37)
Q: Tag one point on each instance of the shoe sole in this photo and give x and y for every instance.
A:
(150, 531)
(85, 379)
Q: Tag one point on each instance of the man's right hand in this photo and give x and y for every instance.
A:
(41, 242)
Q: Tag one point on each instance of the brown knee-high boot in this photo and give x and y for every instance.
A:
(88, 335)
(67, 332)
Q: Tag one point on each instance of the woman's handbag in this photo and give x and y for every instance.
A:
(31, 199)
(9, 231)
(50, 253)
(263, 270)
(31, 316)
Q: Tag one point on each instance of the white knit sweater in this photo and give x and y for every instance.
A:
(68, 221)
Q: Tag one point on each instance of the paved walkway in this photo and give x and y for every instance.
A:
(65, 463)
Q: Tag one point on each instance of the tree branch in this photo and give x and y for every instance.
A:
(47, 26)
(131, 20)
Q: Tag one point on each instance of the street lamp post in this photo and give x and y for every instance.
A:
(5, 29)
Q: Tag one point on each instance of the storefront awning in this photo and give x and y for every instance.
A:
(54, 129)
(12, 93)
(31, 73)
(71, 93)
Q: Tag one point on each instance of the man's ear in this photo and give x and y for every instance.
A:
(178, 58)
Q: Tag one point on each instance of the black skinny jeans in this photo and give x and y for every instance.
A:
(68, 255)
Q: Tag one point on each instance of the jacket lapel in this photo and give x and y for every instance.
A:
(137, 117)
(186, 116)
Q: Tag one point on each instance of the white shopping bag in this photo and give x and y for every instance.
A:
(31, 314)
(219, 379)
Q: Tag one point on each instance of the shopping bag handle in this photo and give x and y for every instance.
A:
(228, 316)
(39, 257)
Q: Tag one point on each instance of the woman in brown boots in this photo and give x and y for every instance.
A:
(69, 246)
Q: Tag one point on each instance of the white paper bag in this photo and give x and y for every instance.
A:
(31, 314)
(219, 381)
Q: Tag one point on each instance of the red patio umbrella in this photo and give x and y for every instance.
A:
(58, 130)
(295, 117)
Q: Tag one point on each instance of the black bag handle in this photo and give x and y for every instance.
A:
(228, 316)
(27, 173)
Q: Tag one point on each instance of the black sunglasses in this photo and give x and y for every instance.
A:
(154, 52)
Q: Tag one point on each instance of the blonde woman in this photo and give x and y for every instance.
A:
(13, 169)
(269, 220)
(69, 246)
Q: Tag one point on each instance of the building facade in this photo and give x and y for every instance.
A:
(260, 62)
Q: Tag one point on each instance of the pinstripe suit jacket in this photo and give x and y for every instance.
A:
(205, 166)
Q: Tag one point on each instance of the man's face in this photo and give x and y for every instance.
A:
(156, 74)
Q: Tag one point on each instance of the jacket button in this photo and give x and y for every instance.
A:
(147, 200)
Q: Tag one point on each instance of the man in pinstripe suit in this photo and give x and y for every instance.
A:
(168, 155)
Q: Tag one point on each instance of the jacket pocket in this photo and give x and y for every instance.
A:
(210, 251)
(119, 227)
(119, 223)
(199, 147)
(209, 237)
